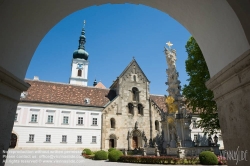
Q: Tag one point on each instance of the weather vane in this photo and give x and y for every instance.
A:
(169, 44)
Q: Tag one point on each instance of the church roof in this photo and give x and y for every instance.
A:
(159, 101)
(67, 94)
(100, 85)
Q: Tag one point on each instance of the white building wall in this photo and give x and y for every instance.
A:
(197, 132)
(23, 126)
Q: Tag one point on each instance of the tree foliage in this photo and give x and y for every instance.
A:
(199, 98)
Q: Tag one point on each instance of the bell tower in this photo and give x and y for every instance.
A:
(79, 66)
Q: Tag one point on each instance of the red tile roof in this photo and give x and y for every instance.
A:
(160, 101)
(59, 93)
(100, 85)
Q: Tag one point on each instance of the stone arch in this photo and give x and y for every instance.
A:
(223, 35)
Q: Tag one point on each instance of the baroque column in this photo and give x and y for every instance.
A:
(175, 100)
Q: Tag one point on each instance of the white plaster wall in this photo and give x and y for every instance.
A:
(23, 127)
(56, 137)
(202, 137)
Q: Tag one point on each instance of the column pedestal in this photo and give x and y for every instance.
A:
(231, 87)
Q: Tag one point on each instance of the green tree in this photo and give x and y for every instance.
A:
(199, 98)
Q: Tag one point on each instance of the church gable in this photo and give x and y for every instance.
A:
(133, 73)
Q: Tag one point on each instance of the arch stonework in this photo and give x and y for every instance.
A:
(114, 143)
(221, 28)
(135, 136)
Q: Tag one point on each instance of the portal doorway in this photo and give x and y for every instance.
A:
(135, 139)
(135, 142)
(111, 143)
(13, 140)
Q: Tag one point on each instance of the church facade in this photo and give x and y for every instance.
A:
(132, 119)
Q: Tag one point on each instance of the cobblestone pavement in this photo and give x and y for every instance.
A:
(56, 158)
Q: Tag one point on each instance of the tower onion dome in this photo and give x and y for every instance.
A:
(81, 53)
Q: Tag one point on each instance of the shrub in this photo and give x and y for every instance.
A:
(130, 153)
(208, 158)
(114, 155)
(158, 160)
(87, 151)
(101, 155)
(111, 149)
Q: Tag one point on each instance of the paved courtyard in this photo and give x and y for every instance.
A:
(56, 158)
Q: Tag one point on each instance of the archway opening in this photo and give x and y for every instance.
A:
(13, 141)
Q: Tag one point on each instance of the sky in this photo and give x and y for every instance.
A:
(114, 35)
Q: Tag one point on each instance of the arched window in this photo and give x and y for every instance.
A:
(135, 94)
(79, 73)
(112, 123)
(140, 109)
(157, 125)
(130, 108)
(134, 77)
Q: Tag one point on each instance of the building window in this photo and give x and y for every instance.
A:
(157, 125)
(50, 118)
(93, 139)
(195, 137)
(16, 117)
(79, 139)
(65, 120)
(48, 138)
(130, 108)
(140, 109)
(79, 73)
(134, 77)
(194, 124)
(94, 122)
(80, 120)
(64, 138)
(33, 118)
(112, 123)
(31, 137)
(135, 94)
